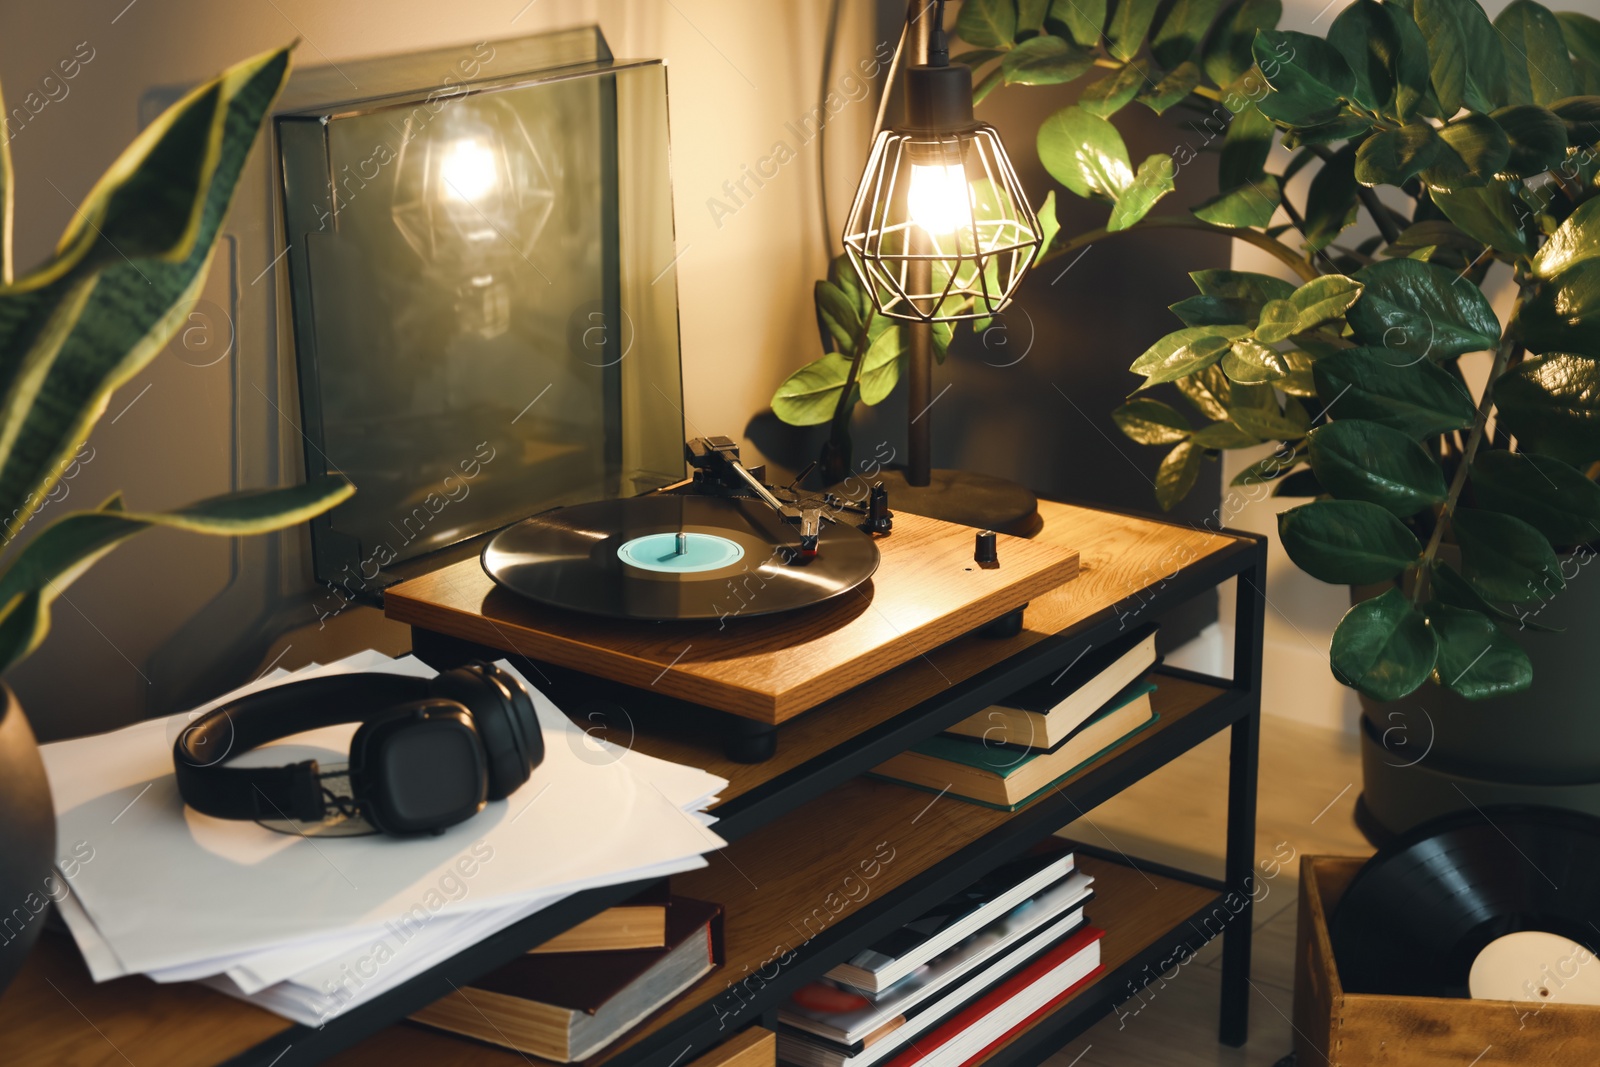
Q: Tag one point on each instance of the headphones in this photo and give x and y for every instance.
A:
(429, 753)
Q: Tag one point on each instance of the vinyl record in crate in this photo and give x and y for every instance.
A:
(1498, 904)
(624, 559)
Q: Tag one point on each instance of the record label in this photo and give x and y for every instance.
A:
(1536, 966)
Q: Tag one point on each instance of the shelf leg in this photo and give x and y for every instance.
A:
(1244, 753)
(748, 741)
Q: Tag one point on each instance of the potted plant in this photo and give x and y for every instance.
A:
(72, 330)
(1461, 511)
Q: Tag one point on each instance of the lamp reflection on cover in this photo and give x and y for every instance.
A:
(472, 195)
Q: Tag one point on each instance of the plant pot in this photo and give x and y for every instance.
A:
(27, 839)
(1435, 752)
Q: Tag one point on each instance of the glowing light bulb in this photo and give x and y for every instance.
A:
(467, 170)
(940, 200)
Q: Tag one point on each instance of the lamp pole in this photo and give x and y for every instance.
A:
(919, 372)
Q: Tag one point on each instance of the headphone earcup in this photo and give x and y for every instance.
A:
(494, 715)
(524, 719)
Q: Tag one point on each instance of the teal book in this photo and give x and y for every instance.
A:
(1008, 777)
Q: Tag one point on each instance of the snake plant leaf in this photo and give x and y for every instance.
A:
(1562, 314)
(1081, 20)
(1505, 558)
(1537, 68)
(1466, 61)
(1394, 156)
(1183, 352)
(1421, 309)
(1387, 54)
(70, 546)
(1347, 542)
(1576, 240)
(1045, 61)
(136, 304)
(1177, 474)
(1537, 136)
(1129, 24)
(1249, 205)
(1416, 397)
(1182, 29)
(1487, 213)
(1152, 182)
(1473, 151)
(1150, 422)
(1227, 55)
(1383, 647)
(1476, 659)
(988, 23)
(1448, 587)
(1360, 460)
(1085, 153)
(1173, 88)
(1309, 78)
(1555, 498)
(1106, 96)
(1552, 404)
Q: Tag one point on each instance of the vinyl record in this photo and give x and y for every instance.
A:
(1421, 912)
(622, 559)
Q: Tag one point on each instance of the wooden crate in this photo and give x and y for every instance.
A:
(1365, 1030)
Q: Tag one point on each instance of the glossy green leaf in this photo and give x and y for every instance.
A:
(1537, 68)
(1269, 422)
(1152, 182)
(1150, 422)
(1251, 289)
(977, 57)
(1487, 213)
(1383, 647)
(1245, 148)
(1465, 56)
(1220, 436)
(1227, 55)
(880, 367)
(988, 84)
(1209, 391)
(1172, 89)
(1331, 203)
(1537, 136)
(1049, 224)
(1031, 15)
(1448, 587)
(1130, 22)
(1108, 95)
(1251, 363)
(1551, 404)
(1277, 322)
(1577, 240)
(1212, 311)
(808, 396)
(1387, 56)
(1341, 128)
(1555, 498)
(1505, 558)
(1473, 151)
(1299, 381)
(1268, 469)
(838, 315)
(1360, 460)
(1562, 314)
(1392, 157)
(1347, 542)
(1045, 61)
(1182, 353)
(1081, 19)
(1421, 309)
(1309, 78)
(1582, 34)
(1324, 299)
(1085, 153)
(1250, 205)
(988, 23)
(1397, 390)
(1181, 30)
(1581, 117)
(1177, 474)
(1475, 658)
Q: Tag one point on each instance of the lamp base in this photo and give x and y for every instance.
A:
(976, 500)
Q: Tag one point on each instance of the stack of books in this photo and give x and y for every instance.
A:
(959, 978)
(1009, 754)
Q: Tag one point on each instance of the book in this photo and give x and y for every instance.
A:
(808, 1050)
(902, 951)
(640, 923)
(1000, 776)
(568, 1006)
(1012, 1006)
(1045, 713)
(848, 1017)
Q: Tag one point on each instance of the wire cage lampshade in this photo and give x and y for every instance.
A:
(940, 229)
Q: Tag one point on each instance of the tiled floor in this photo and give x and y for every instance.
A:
(1309, 782)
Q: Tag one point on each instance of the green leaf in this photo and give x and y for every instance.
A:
(1465, 57)
(988, 84)
(1209, 391)
(1537, 136)
(1250, 363)
(1448, 587)
(1278, 319)
(1347, 542)
(1562, 314)
(1331, 201)
(1342, 128)
(1245, 148)
(1150, 184)
(838, 314)
(1360, 460)
(1392, 157)
(1045, 61)
(1581, 117)
(1582, 34)
(1299, 382)
(1250, 205)
(1150, 422)
(988, 23)
(1577, 240)
(1383, 647)
(1323, 300)
(1475, 659)
(1267, 469)
(1269, 423)
(1487, 213)
(1172, 89)
(1387, 56)
(977, 57)
(1177, 474)
(1251, 289)
(1130, 22)
(1421, 309)
(1082, 19)
(880, 367)
(1551, 404)
(1503, 557)
(1475, 149)
(1555, 498)
(1537, 68)
(1308, 76)
(1180, 354)
(1212, 311)
(809, 395)
(1224, 435)
(1031, 15)
(1415, 397)
(1181, 31)
(1085, 153)
(1106, 96)
(1049, 225)
(1227, 54)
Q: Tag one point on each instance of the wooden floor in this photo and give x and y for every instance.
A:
(1310, 778)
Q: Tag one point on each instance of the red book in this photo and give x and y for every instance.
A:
(988, 1019)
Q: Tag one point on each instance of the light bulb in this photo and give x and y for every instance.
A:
(467, 170)
(940, 200)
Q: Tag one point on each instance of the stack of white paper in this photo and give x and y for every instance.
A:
(310, 926)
